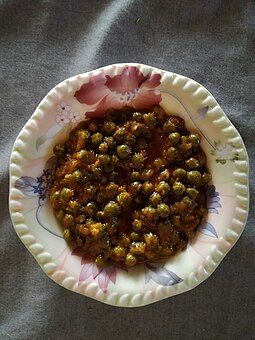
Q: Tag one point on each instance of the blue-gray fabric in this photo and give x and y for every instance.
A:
(44, 42)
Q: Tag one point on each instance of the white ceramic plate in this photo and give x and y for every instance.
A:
(91, 93)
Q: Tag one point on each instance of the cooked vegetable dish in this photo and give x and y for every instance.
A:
(130, 187)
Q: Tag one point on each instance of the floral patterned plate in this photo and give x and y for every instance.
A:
(90, 94)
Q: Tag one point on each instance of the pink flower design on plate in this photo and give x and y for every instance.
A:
(64, 108)
(89, 269)
(62, 119)
(74, 117)
(130, 88)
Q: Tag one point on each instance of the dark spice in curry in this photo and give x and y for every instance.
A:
(130, 187)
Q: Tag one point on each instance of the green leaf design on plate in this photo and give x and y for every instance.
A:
(40, 141)
(221, 161)
(224, 152)
(52, 133)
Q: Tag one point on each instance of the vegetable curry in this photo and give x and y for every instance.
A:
(129, 187)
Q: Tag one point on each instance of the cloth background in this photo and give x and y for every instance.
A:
(45, 42)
